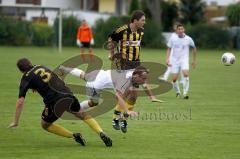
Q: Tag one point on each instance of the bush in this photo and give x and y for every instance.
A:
(169, 14)
(152, 32)
(14, 32)
(134, 5)
(69, 30)
(210, 36)
(233, 14)
(152, 35)
(42, 34)
(22, 33)
(192, 11)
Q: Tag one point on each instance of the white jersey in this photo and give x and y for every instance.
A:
(100, 79)
(173, 35)
(180, 48)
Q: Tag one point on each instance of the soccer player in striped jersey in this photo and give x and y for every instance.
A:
(129, 38)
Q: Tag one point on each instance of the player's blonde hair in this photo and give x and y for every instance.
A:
(140, 70)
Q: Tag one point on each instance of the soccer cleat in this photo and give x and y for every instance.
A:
(79, 139)
(186, 97)
(116, 124)
(107, 140)
(124, 126)
(178, 95)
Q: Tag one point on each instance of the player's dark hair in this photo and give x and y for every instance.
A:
(137, 14)
(24, 64)
(179, 25)
(140, 70)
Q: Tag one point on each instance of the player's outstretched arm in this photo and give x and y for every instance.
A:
(167, 56)
(111, 48)
(150, 94)
(19, 106)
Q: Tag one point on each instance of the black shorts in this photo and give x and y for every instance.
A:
(55, 110)
(85, 44)
(127, 65)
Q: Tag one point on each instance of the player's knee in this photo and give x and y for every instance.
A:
(174, 80)
(82, 75)
(116, 112)
(132, 100)
(82, 115)
(144, 85)
(45, 125)
(185, 73)
(93, 103)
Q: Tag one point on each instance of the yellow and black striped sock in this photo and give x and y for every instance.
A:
(94, 125)
(130, 106)
(59, 130)
(117, 112)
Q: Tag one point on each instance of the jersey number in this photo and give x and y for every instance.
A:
(43, 74)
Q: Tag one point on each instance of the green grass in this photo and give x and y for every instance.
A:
(211, 131)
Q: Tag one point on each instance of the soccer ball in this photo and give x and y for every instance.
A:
(228, 59)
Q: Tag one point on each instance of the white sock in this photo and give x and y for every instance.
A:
(185, 85)
(65, 69)
(182, 79)
(84, 105)
(76, 72)
(166, 74)
(176, 87)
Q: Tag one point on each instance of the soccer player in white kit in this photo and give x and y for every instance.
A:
(168, 71)
(178, 59)
(121, 82)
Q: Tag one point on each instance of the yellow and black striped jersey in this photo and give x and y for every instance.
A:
(129, 42)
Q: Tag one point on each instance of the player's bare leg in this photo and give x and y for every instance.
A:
(91, 54)
(82, 54)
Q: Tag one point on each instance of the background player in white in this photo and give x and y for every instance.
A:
(168, 71)
(179, 46)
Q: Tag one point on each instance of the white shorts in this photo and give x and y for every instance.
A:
(177, 67)
(93, 94)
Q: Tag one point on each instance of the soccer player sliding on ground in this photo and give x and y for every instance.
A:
(122, 82)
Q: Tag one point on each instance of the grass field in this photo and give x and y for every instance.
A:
(207, 126)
